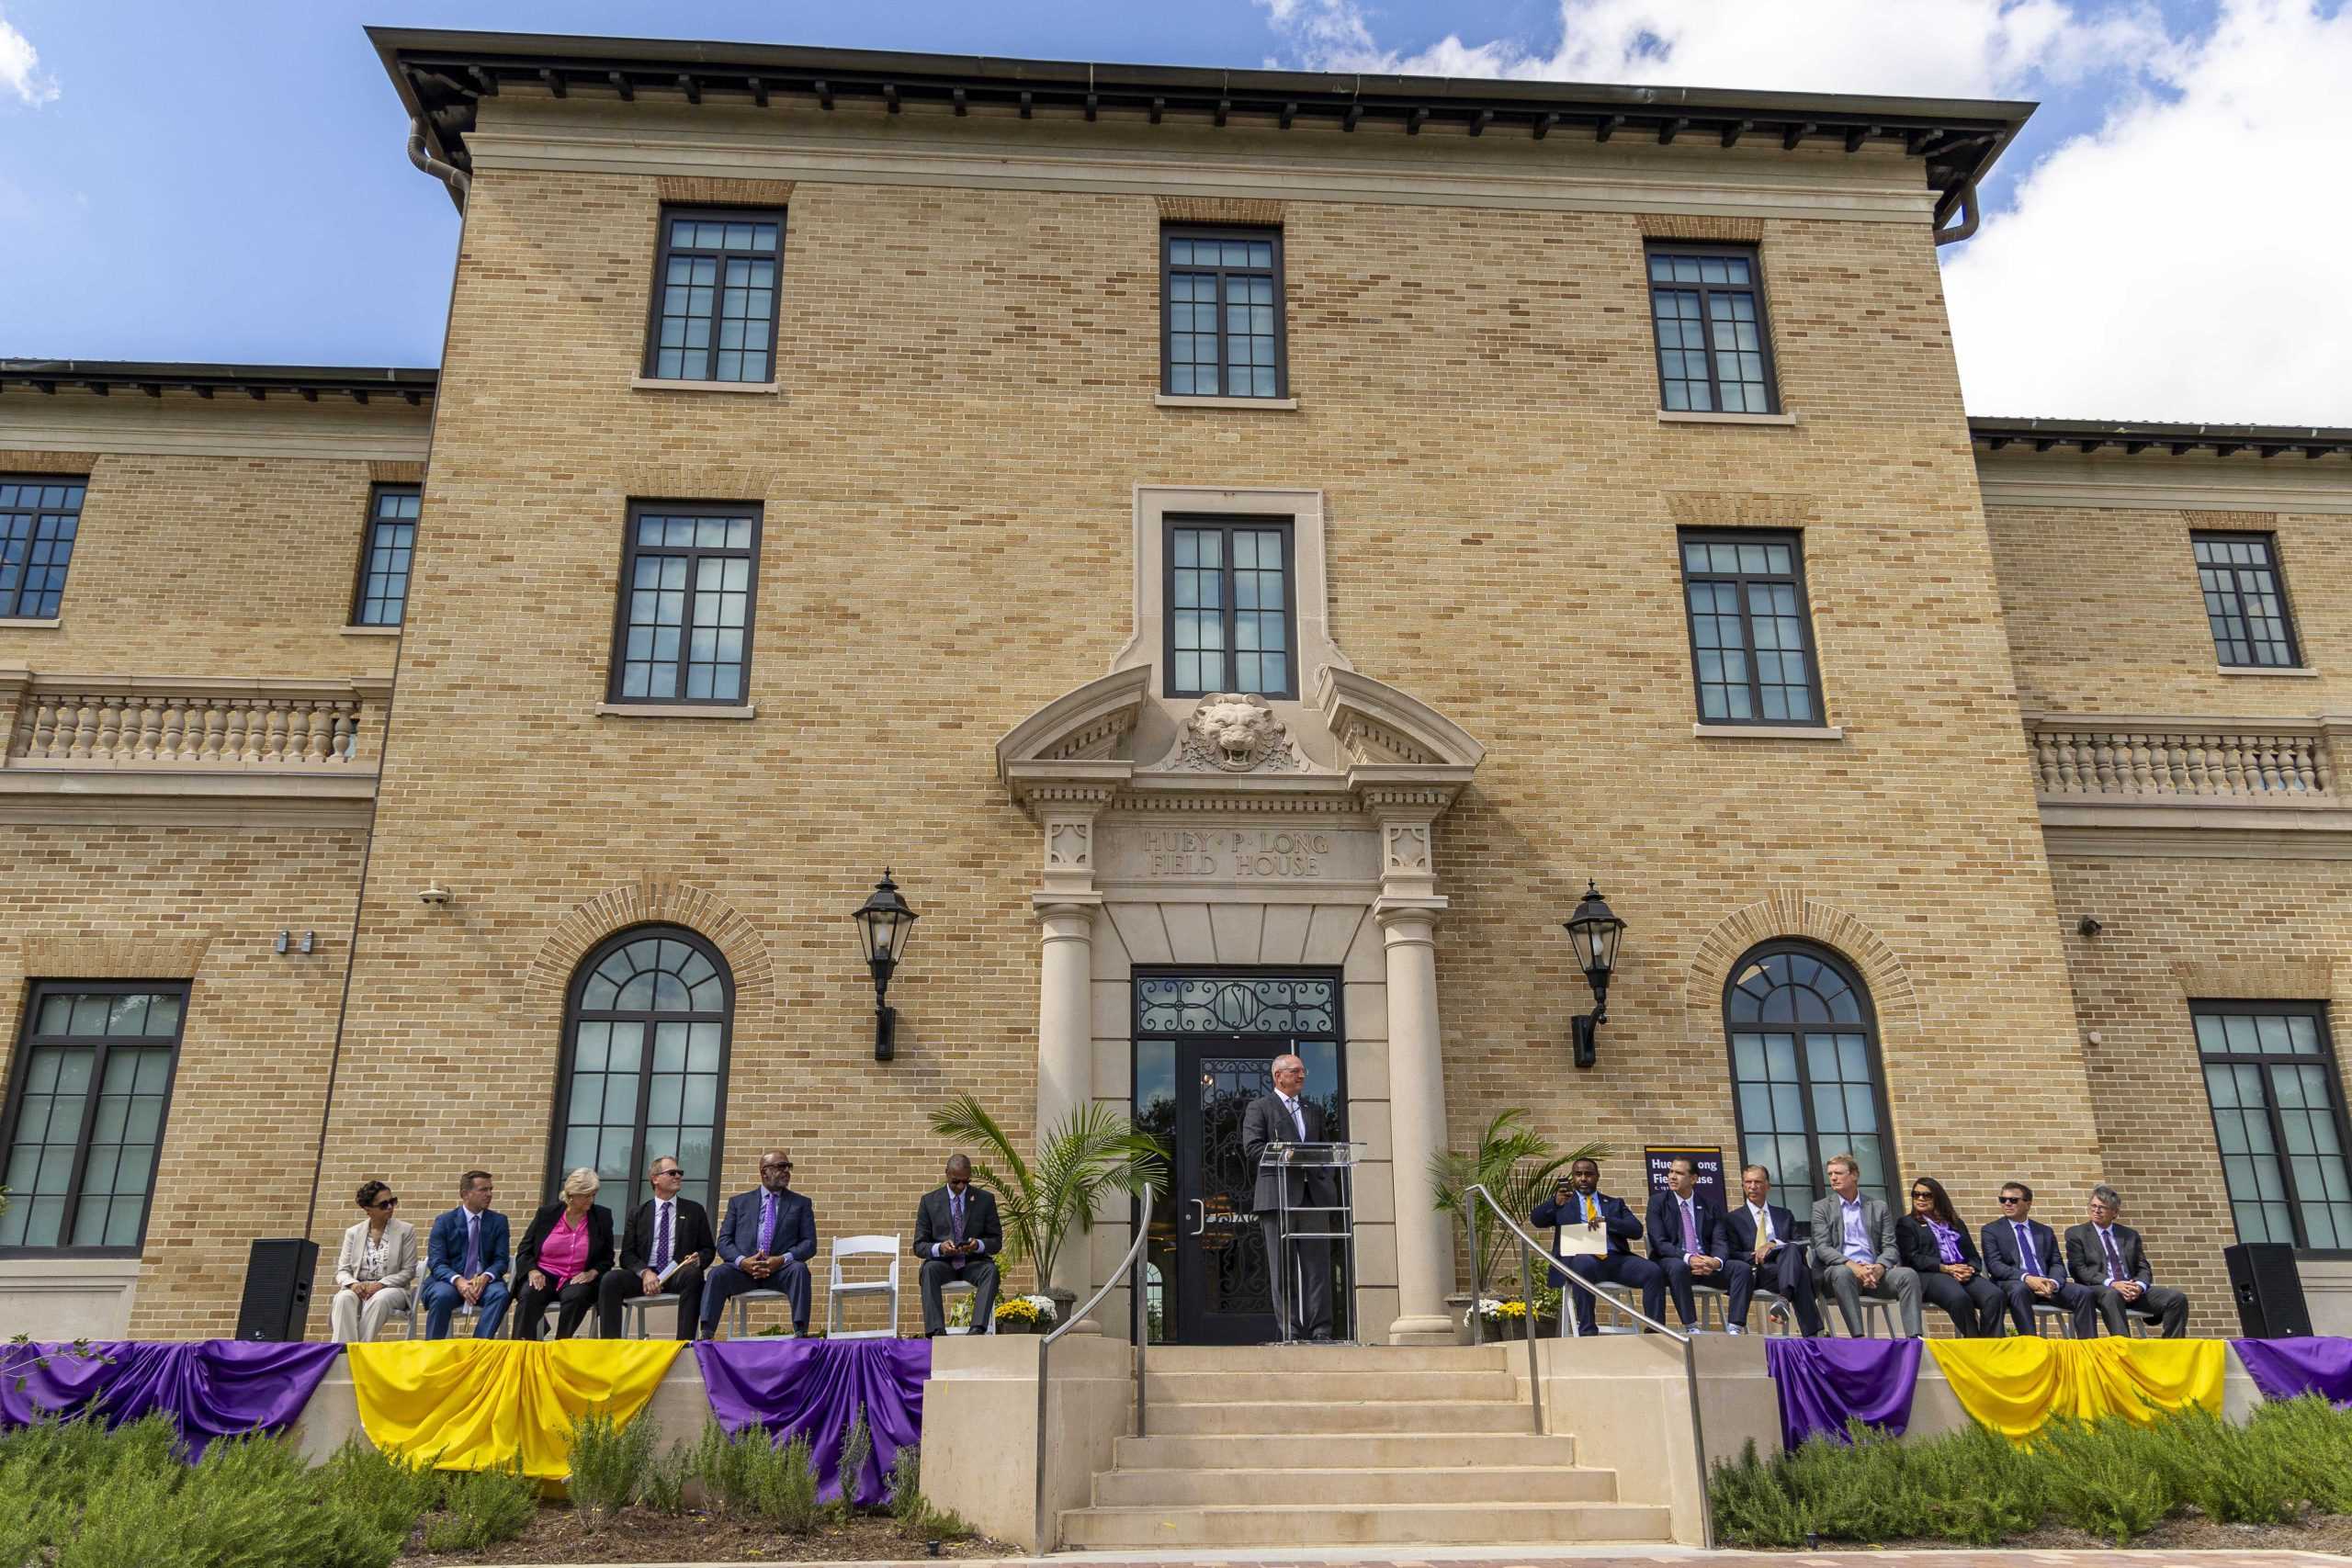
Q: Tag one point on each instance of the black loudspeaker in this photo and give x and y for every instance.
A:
(277, 1288)
(2269, 1289)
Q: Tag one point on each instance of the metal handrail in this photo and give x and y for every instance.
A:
(1530, 1248)
(1131, 1266)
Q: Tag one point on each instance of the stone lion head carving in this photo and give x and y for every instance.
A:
(1236, 732)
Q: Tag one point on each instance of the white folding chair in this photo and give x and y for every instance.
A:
(738, 1310)
(636, 1307)
(840, 1289)
(948, 1288)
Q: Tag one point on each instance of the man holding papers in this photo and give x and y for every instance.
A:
(664, 1250)
(1589, 1235)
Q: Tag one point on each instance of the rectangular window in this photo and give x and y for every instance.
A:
(1229, 607)
(2270, 1075)
(684, 631)
(1751, 639)
(714, 296)
(1222, 331)
(86, 1114)
(1714, 354)
(37, 521)
(384, 562)
(2245, 602)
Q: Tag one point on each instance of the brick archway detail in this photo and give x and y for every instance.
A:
(1789, 914)
(648, 901)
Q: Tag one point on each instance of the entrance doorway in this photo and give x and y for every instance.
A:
(1204, 1045)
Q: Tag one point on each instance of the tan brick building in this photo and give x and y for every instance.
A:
(844, 461)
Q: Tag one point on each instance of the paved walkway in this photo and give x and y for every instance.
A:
(1597, 1557)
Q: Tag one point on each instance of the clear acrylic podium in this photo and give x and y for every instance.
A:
(1337, 1160)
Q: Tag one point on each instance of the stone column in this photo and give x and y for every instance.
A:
(1066, 907)
(1407, 910)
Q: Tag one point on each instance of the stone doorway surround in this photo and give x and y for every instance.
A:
(1235, 829)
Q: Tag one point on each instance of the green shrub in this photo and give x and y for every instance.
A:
(1977, 1488)
(662, 1488)
(857, 1447)
(127, 1517)
(2105, 1480)
(2310, 1441)
(485, 1506)
(1859, 1491)
(609, 1462)
(380, 1492)
(1752, 1507)
(727, 1467)
(787, 1485)
(906, 1483)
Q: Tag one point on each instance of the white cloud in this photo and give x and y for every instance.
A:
(2182, 261)
(21, 71)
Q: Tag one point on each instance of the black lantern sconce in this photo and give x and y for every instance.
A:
(1594, 929)
(884, 922)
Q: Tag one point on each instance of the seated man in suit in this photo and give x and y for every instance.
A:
(766, 1244)
(1578, 1201)
(1760, 1231)
(958, 1236)
(1854, 1253)
(1687, 1243)
(2023, 1259)
(1300, 1271)
(2106, 1258)
(663, 1230)
(465, 1262)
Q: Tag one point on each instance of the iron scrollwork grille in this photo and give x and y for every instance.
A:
(1198, 1004)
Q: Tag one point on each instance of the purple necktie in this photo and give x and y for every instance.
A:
(956, 1204)
(2114, 1258)
(2026, 1260)
(474, 1244)
(767, 1220)
(1689, 1228)
(660, 1237)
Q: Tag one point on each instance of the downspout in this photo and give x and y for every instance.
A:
(1943, 236)
(446, 173)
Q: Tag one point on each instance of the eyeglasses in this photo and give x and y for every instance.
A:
(2011, 1199)
(384, 1203)
(781, 1165)
(660, 1174)
(1919, 1197)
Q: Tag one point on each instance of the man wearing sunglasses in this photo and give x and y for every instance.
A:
(2022, 1258)
(665, 1247)
(765, 1244)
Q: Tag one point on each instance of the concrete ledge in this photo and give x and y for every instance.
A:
(675, 710)
(1190, 400)
(657, 384)
(2299, 672)
(1770, 731)
(1694, 416)
(68, 1298)
(32, 623)
(371, 631)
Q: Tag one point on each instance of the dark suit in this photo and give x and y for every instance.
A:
(690, 1238)
(794, 1241)
(1975, 1308)
(1672, 1251)
(1785, 1270)
(2087, 1260)
(1617, 1265)
(1305, 1263)
(2043, 1260)
(574, 1298)
(444, 1261)
(936, 1222)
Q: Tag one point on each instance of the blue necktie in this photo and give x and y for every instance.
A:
(660, 1237)
(474, 1244)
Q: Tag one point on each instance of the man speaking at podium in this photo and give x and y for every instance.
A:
(1286, 1117)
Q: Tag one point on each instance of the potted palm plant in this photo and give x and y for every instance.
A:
(1087, 1156)
(1517, 1164)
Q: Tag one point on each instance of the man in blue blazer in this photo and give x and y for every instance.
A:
(1765, 1234)
(766, 1244)
(1578, 1201)
(465, 1262)
(2022, 1258)
(1687, 1241)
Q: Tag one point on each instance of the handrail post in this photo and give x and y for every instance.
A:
(1527, 1293)
(1470, 1227)
(1139, 1326)
(1699, 1444)
(1045, 1355)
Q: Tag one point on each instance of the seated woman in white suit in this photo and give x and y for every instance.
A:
(375, 1271)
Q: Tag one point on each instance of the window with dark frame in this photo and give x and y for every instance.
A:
(88, 1094)
(714, 296)
(1751, 636)
(1221, 325)
(39, 517)
(2246, 600)
(2270, 1076)
(683, 629)
(384, 561)
(1808, 1083)
(1714, 354)
(644, 1069)
(1229, 607)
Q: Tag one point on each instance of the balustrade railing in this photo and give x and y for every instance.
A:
(199, 725)
(2268, 761)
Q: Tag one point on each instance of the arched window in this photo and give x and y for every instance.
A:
(645, 1034)
(1804, 1070)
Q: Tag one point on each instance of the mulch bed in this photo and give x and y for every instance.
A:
(640, 1534)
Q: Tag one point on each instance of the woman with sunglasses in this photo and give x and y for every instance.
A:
(1938, 1248)
(376, 1269)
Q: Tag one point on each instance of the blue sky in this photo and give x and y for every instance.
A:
(2126, 268)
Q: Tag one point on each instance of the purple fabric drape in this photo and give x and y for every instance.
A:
(210, 1388)
(807, 1388)
(2285, 1369)
(1823, 1384)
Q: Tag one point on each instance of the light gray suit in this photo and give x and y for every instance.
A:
(1831, 1276)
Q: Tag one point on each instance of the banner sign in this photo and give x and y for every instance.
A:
(1707, 1162)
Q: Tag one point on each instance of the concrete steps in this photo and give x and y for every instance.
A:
(1320, 1446)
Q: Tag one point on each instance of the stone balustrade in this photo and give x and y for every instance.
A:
(169, 723)
(2263, 762)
